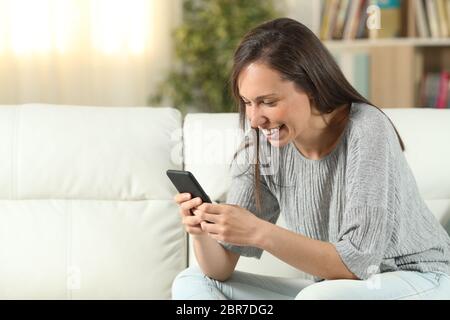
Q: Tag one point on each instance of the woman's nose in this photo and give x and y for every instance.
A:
(256, 118)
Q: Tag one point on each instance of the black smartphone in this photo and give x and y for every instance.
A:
(185, 182)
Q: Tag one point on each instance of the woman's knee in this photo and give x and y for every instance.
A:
(186, 279)
(325, 290)
(311, 292)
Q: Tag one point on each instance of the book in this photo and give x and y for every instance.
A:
(448, 95)
(362, 25)
(410, 18)
(342, 14)
(390, 11)
(430, 89)
(442, 13)
(421, 19)
(442, 99)
(333, 9)
(433, 17)
(448, 16)
(326, 19)
(352, 20)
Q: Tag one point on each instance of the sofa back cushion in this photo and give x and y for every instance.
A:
(86, 211)
(426, 135)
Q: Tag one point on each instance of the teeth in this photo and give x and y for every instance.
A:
(268, 132)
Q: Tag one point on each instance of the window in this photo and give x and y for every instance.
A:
(107, 26)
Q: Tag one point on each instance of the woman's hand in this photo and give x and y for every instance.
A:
(191, 222)
(229, 223)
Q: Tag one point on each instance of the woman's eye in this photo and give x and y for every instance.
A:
(269, 103)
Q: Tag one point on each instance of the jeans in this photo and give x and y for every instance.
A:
(398, 285)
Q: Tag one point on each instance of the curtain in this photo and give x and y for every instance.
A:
(84, 52)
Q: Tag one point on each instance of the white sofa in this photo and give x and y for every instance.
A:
(86, 209)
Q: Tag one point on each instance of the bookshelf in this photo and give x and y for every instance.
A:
(393, 42)
(406, 63)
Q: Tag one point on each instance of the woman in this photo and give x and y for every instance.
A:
(356, 220)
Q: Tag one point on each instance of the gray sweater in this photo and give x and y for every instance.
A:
(362, 197)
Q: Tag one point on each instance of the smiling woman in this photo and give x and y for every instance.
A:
(98, 52)
(351, 201)
(313, 95)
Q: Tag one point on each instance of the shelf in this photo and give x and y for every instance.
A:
(389, 71)
(369, 43)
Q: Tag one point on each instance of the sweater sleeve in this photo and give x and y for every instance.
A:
(367, 222)
(241, 193)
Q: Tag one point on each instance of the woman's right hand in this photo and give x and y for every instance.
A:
(191, 222)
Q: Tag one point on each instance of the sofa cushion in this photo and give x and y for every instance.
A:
(86, 210)
(426, 135)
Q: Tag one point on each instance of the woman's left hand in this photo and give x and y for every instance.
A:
(229, 223)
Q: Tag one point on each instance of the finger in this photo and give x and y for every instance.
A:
(214, 218)
(185, 213)
(191, 220)
(194, 230)
(212, 208)
(210, 227)
(181, 197)
(187, 205)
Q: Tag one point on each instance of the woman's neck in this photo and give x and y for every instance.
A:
(324, 133)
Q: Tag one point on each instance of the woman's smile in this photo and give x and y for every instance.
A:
(274, 134)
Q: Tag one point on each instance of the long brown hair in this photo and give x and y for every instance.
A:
(293, 50)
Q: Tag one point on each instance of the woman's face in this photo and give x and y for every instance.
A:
(272, 102)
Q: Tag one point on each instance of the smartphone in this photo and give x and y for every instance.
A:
(185, 182)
